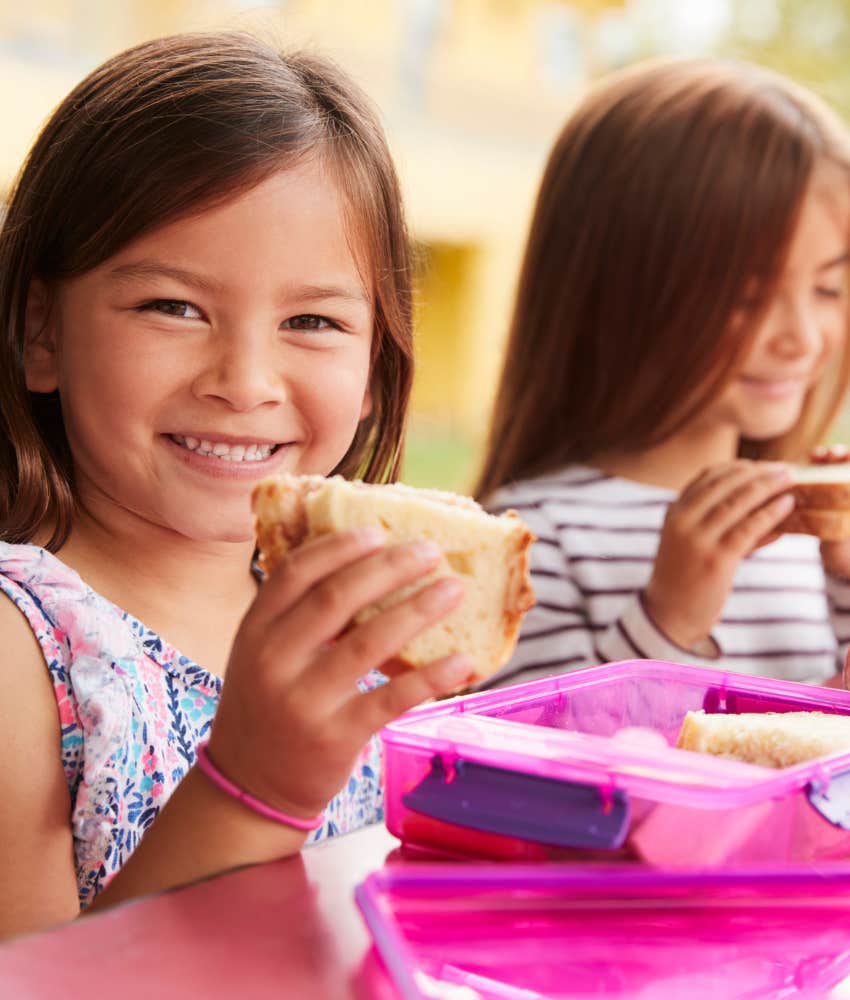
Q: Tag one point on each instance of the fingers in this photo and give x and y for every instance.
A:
(738, 485)
(367, 713)
(770, 537)
(307, 565)
(739, 497)
(707, 478)
(376, 641)
(322, 613)
(756, 528)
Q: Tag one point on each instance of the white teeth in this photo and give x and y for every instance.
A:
(226, 452)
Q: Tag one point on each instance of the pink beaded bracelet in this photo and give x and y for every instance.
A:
(226, 785)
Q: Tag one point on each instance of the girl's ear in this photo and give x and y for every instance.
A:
(39, 340)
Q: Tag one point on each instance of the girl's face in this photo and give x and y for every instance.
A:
(804, 325)
(211, 352)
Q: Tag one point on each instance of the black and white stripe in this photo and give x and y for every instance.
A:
(597, 539)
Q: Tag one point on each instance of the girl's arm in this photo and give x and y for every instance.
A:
(200, 831)
(288, 730)
(291, 721)
(836, 564)
(38, 883)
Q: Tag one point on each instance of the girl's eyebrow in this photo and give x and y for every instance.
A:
(154, 269)
(301, 293)
(842, 259)
(312, 293)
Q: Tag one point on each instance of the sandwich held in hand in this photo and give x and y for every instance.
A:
(488, 553)
(771, 739)
(821, 498)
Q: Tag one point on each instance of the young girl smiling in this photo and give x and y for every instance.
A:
(204, 279)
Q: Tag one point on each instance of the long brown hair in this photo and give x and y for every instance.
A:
(673, 187)
(157, 132)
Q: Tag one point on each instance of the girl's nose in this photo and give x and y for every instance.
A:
(241, 374)
(797, 331)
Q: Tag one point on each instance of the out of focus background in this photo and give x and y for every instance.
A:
(472, 94)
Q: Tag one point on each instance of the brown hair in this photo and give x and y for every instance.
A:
(159, 131)
(673, 187)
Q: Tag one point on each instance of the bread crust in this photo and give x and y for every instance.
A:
(828, 525)
(823, 496)
(520, 594)
(282, 525)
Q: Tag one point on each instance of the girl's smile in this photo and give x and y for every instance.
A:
(237, 458)
(775, 388)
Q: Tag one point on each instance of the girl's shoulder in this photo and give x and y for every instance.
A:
(37, 582)
(32, 567)
(70, 620)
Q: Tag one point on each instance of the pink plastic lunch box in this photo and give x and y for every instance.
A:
(556, 769)
(546, 932)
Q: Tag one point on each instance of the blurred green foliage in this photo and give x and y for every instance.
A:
(439, 457)
(809, 40)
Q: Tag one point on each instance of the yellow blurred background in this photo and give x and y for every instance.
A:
(472, 93)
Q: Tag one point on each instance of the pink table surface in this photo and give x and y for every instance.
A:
(286, 929)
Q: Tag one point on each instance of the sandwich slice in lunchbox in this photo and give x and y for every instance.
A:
(771, 739)
(489, 553)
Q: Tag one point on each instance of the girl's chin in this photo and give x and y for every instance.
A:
(768, 430)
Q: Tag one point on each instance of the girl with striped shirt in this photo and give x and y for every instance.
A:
(681, 313)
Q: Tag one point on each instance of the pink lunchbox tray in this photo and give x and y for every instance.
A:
(555, 769)
(527, 932)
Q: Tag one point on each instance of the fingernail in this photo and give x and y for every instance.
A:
(426, 551)
(785, 503)
(456, 669)
(369, 538)
(780, 472)
(442, 594)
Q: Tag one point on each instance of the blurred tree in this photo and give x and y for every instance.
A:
(806, 39)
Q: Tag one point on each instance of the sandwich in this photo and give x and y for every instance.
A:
(488, 553)
(770, 739)
(821, 501)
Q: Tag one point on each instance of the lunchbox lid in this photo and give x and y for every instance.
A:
(525, 932)
(482, 729)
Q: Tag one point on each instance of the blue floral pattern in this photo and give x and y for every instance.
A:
(132, 710)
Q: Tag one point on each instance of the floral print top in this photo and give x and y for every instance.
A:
(132, 710)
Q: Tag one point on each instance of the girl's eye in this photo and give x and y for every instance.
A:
(309, 321)
(172, 307)
(830, 293)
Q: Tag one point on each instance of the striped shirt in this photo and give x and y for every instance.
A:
(597, 536)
